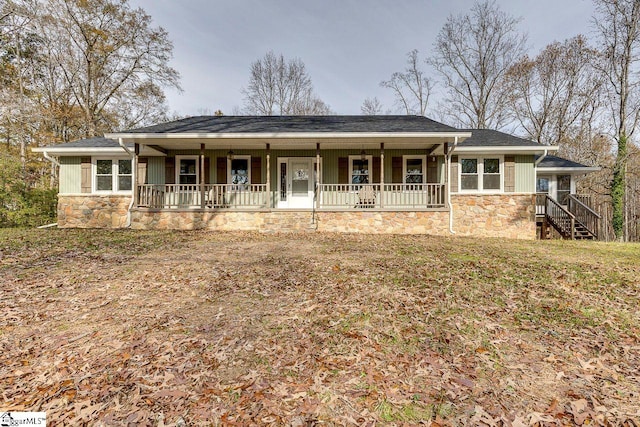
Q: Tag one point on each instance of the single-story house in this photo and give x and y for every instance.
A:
(370, 174)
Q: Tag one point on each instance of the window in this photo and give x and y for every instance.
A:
(469, 174)
(125, 175)
(239, 170)
(481, 174)
(112, 175)
(564, 188)
(188, 170)
(104, 175)
(360, 169)
(414, 168)
(491, 174)
(542, 185)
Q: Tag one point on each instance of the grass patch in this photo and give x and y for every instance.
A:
(244, 328)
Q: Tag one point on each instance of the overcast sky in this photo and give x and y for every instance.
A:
(348, 46)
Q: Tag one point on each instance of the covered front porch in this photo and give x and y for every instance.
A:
(349, 175)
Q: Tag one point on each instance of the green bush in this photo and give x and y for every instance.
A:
(27, 207)
(21, 204)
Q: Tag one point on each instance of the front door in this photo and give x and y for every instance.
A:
(296, 180)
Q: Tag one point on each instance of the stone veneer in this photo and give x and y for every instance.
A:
(505, 215)
(92, 211)
(502, 215)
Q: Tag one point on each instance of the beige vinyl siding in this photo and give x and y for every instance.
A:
(329, 161)
(70, 175)
(213, 155)
(213, 159)
(525, 174)
(155, 170)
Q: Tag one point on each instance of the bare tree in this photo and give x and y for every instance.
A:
(281, 87)
(556, 95)
(472, 54)
(411, 87)
(371, 107)
(108, 55)
(617, 23)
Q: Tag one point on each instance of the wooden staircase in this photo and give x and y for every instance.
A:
(575, 220)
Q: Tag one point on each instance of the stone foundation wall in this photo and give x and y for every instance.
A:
(93, 211)
(431, 222)
(267, 221)
(511, 216)
(502, 215)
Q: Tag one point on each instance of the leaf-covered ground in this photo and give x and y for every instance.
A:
(197, 328)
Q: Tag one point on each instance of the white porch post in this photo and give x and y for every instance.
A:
(202, 177)
(382, 174)
(318, 177)
(269, 176)
(447, 175)
(134, 174)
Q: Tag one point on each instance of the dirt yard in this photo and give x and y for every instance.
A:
(159, 328)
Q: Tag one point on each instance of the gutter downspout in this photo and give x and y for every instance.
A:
(51, 159)
(453, 147)
(541, 158)
(134, 180)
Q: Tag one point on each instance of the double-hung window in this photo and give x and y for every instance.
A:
(481, 174)
(563, 188)
(414, 169)
(239, 174)
(188, 170)
(360, 169)
(112, 175)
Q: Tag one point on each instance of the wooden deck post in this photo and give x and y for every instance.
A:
(202, 177)
(269, 176)
(382, 174)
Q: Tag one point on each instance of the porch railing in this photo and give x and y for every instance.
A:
(346, 196)
(157, 196)
(331, 196)
(541, 200)
(349, 195)
(414, 195)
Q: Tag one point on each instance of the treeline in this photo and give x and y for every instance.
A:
(582, 94)
(71, 69)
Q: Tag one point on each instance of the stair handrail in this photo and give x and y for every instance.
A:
(587, 207)
(586, 216)
(558, 216)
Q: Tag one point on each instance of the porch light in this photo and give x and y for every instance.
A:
(230, 154)
(363, 155)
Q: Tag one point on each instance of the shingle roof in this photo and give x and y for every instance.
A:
(559, 162)
(285, 124)
(494, 138)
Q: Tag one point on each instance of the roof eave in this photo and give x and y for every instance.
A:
(506, 149)
(286, 135)
(577, 169)
(88, 151)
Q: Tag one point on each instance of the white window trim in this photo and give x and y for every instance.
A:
(114, 175)
(412, 157)
(190, 157)
(369, 159)
(480, 189)
(239, 157)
